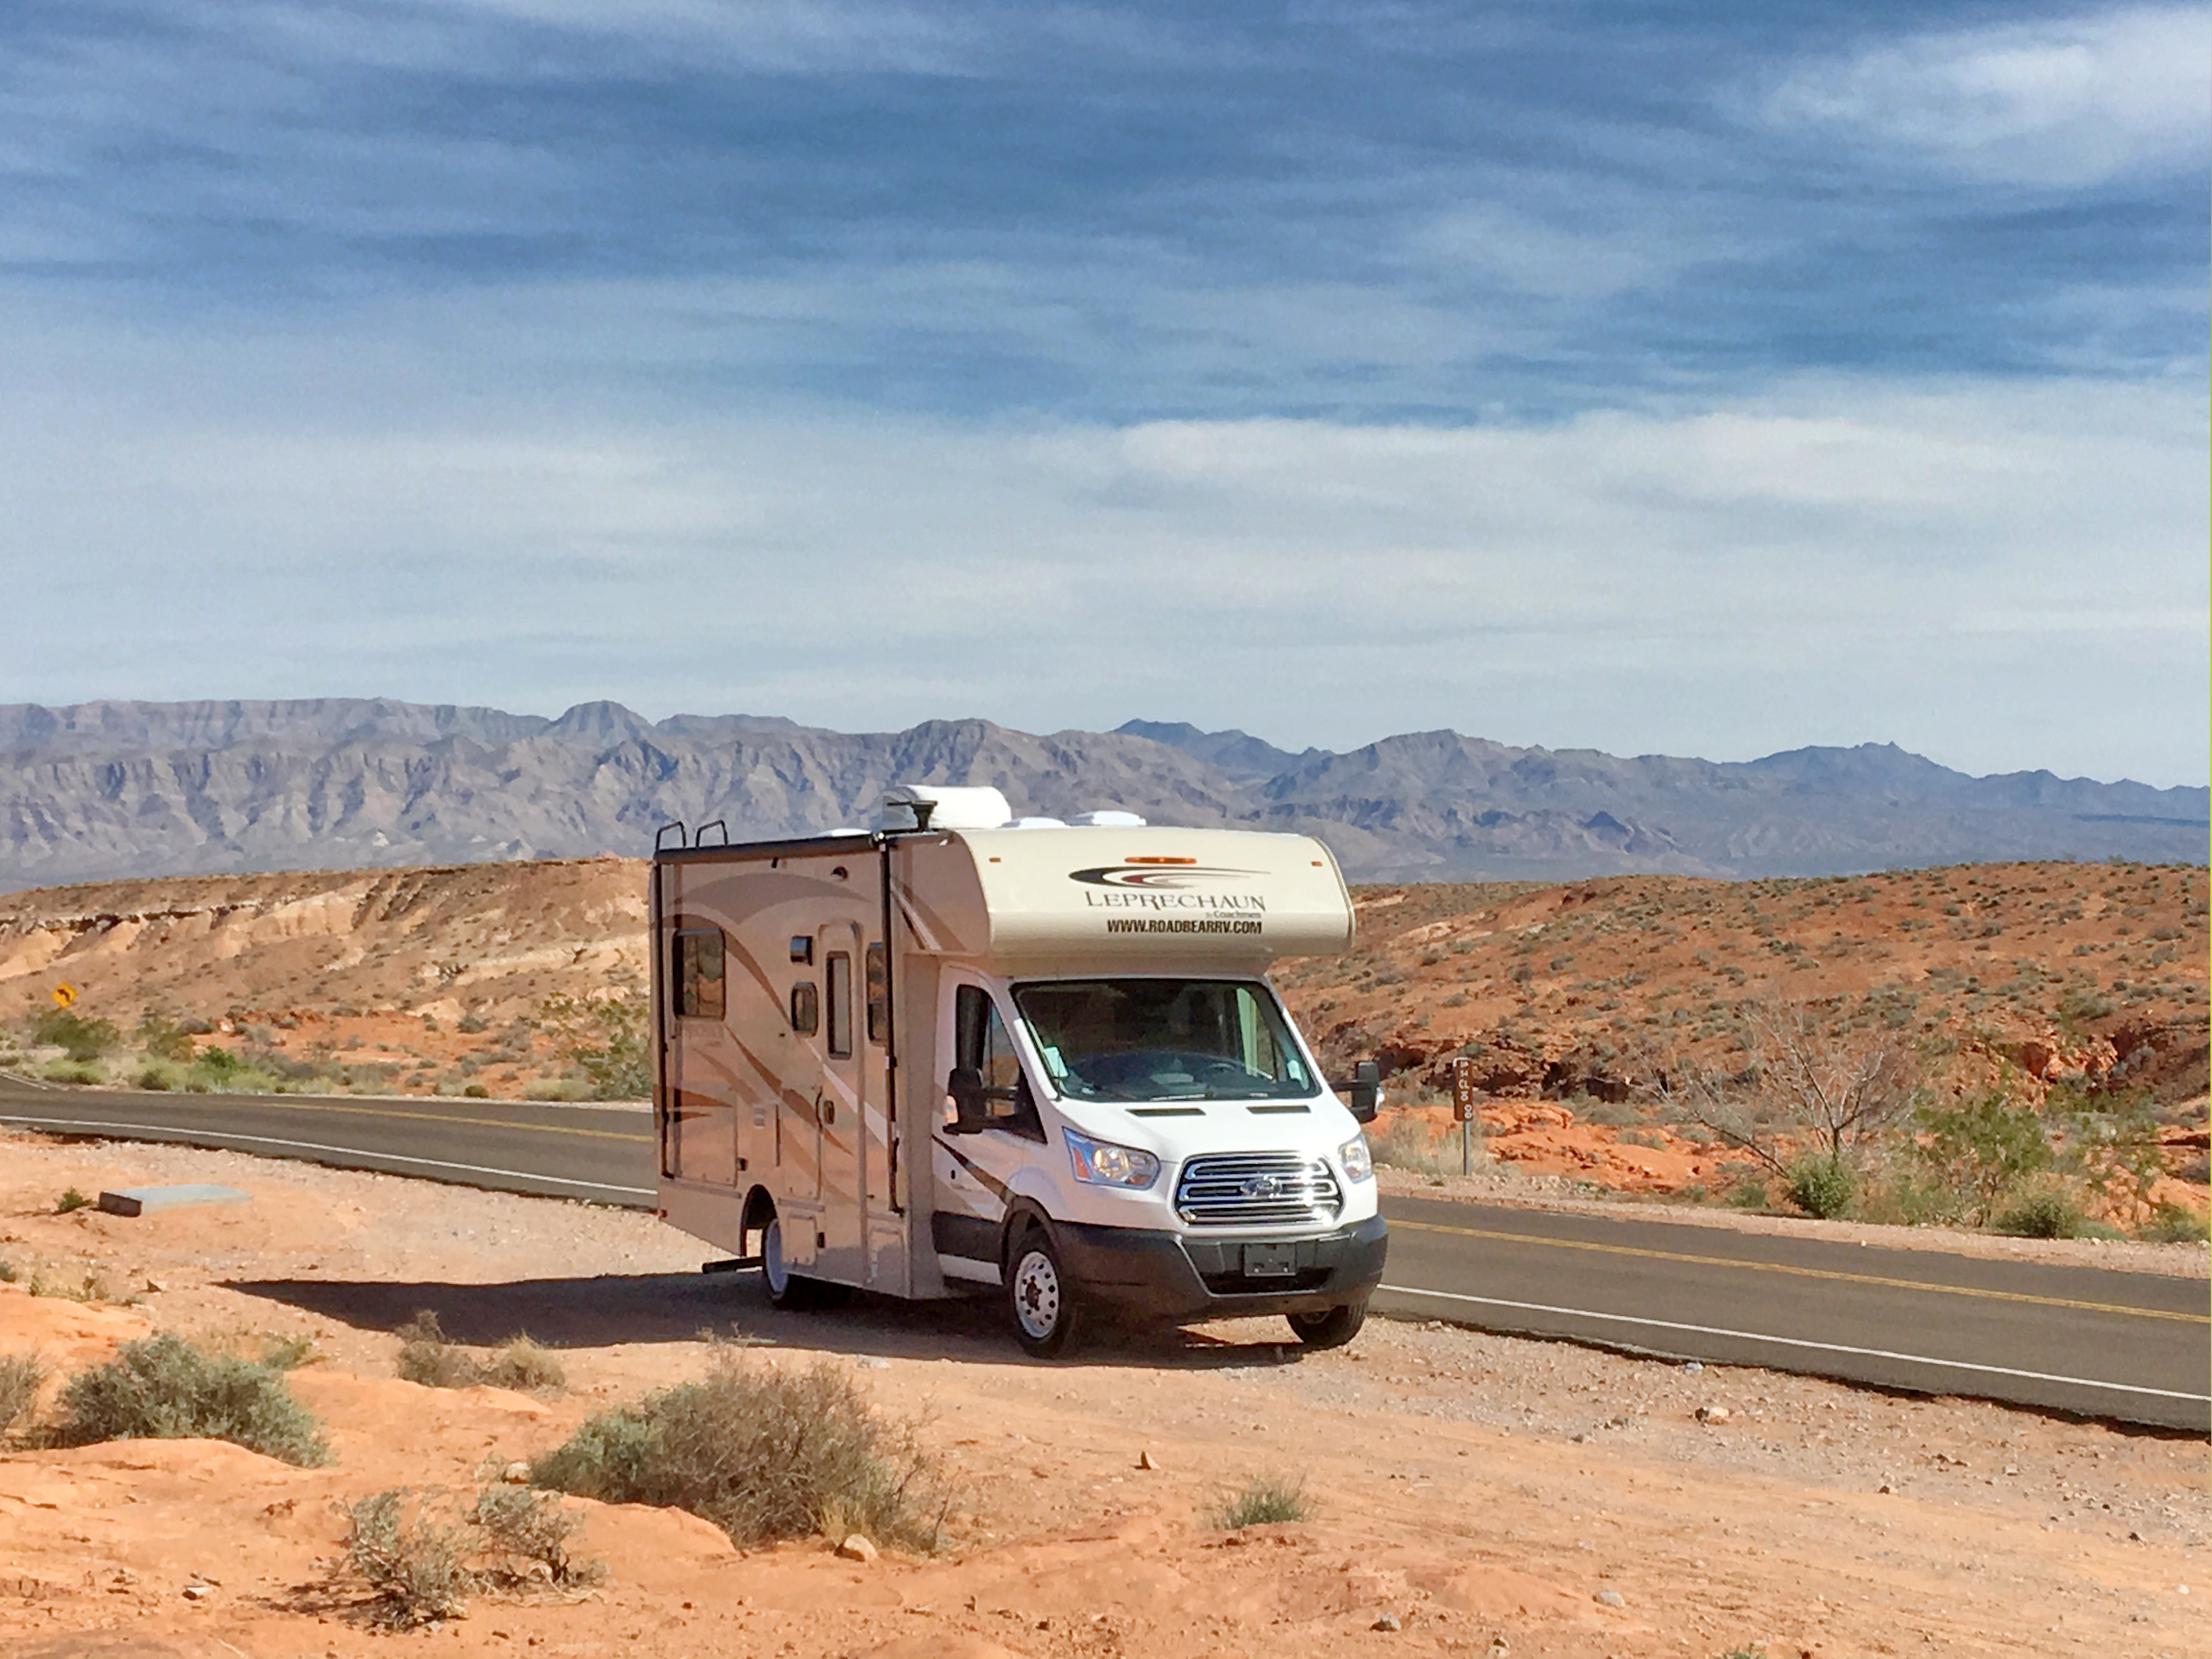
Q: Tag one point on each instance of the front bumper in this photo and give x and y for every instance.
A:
(1164, 1275)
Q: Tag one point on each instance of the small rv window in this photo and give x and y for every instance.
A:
(879, 994)
(805, 1008)
(840, 978)
(698, 974)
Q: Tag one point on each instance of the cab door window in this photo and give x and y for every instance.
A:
(984, 1048)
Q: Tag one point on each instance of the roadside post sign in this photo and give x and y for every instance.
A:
(64, 994)
(1463, 1110)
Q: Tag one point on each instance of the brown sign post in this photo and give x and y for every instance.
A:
(1463, 1111)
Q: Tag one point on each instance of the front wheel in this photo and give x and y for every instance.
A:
(1040, 1297)
(1332, 1328)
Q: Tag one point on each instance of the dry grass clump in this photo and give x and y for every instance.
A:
(761, 1453)
(1409, 1143)
(163, 1388)
(426, 1356)
(21, 1376)
(1265, 1498)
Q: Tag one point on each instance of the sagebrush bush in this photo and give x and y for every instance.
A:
(163, 1388)
(417, 1567)
(1265, 1498)
(1823, 1186)
(2046, 1213)
(525, 1367)
(761, 1453)
(2170, 1223)
(528, 1526)
(21, 1375)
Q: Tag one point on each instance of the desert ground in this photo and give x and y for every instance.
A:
(1484, 1494)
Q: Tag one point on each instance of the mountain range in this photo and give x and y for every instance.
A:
(109, 789)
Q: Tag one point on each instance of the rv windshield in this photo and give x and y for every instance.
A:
(1164, 1039)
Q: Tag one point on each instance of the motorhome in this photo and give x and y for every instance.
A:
(962, 1053)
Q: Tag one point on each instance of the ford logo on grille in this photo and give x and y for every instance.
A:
(1264, 1186)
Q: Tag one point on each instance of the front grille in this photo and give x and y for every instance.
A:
(1257, 1190)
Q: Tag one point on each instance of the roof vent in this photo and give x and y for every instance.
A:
(942, 806)
(1110, 818)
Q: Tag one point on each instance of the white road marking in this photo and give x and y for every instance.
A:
(1795, 1342)
(316, 1146)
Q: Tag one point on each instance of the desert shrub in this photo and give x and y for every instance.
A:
(21, 1376)
(1822, 1185)
(1979, 1147)
(71, 1200)
(78, 1072)
(163, 1388)
(87, 1288)
(80, 1038)
(2044, 1213)
(1748, 1193)
(153, 1075)
(1611, 1113)
(287, 1353)
(522, 1525)
(761, 1453)
(218, 1065)
(2170, 1223)
(524, 1366)
(1264, 1498)
(426, 1356)
(472, 1024)
(1408, 1143)
(162, 1039)
(476, 1092)
(604, 1039)
(417, 1567)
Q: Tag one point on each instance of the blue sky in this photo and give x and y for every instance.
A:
(1702, 379)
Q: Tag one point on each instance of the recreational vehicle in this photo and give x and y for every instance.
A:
(960, 1054)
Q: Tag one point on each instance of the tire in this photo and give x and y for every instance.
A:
(1332, 1328)
(1040, 1300)
(787, 1292)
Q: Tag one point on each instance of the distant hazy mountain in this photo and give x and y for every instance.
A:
(110, 789)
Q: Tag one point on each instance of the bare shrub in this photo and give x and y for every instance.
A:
(417, 1567)
(163, 1388)
(21, 1376)
(1265, 1498)
(761, 1453)
(1409, 1143)
(1799, 1080)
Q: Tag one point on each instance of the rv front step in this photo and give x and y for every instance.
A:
(736, 1264)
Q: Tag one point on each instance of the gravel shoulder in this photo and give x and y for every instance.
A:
(1490, 1495)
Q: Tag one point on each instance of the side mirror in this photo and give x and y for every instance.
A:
(1366, 1091)
(965, 1085)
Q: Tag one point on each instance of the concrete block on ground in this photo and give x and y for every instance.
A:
(138, 1201)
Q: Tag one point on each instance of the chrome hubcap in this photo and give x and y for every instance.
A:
(773, 1267)
(1036, 1295)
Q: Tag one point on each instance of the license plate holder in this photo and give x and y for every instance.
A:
(1270, 1260)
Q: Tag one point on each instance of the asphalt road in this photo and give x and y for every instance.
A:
(2132, 1346)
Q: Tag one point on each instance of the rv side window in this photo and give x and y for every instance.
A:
(839, 983)
(805, 1009)
(698, 975)
(880, 993)
(986, 1047)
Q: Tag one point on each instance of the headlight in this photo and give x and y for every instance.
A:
(1102, 1164)
(1358, 1166)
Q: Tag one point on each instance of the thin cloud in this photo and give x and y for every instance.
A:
(2068, 102)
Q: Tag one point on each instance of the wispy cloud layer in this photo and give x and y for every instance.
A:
(2063, 101)
(1708, 379)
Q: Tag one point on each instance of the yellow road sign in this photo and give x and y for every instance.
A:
(64, 994)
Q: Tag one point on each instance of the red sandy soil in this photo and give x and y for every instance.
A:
(1483, 1491)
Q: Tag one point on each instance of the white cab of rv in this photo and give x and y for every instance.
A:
(962, 1053)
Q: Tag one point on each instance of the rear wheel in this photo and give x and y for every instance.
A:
(1039, 1297)
(1332, 1328)
(788, 1292)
